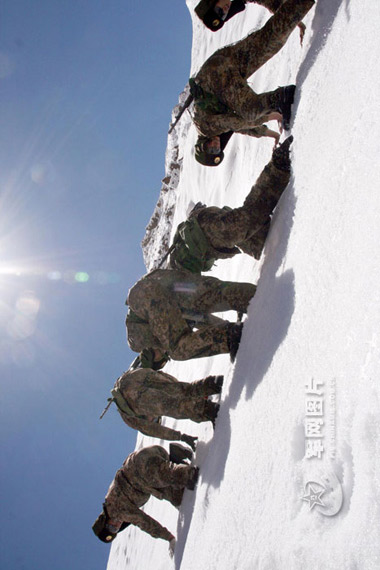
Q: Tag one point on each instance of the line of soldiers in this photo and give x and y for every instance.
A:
(171, 310)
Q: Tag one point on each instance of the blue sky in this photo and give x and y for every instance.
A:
(86, 94)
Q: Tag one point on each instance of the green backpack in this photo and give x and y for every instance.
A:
(206, 101)
(190, 249)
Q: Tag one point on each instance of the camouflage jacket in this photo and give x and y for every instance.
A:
(124, 498)
(130, 385)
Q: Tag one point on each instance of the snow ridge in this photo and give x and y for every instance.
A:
(156, 241)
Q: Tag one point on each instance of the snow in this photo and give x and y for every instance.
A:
(313, 324)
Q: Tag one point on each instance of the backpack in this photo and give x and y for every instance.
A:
(208, 102)
(190, 249)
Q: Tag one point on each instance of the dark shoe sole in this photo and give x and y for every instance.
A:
(286, 104)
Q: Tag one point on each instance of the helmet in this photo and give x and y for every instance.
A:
(100, 529)
(205, 11)
(206, 158)
(213, 20)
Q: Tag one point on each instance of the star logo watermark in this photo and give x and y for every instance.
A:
(313, 497)
(324, 494)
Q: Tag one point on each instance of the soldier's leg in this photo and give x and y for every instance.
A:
(174, 496)
(255, 108)
(254, 245)
(223, 296)
(209, 295)
(250, 223)
(260, 46)
(206, 341)
(152, 469)
(208, 386)
(180, 400)
(174, 475)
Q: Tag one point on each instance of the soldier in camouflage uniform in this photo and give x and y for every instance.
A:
(217, 231)
(148, 471)
(166, 305)
(215, 13)
(224, 102)
(144, 395)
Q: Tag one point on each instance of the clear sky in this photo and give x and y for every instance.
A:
(86, 93)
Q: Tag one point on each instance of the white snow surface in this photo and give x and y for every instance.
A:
(313, 323)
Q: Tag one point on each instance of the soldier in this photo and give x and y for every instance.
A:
(218, 233)
(224, 103)
(166, 305)
(144, 395)
(215, 13)
(148, 471)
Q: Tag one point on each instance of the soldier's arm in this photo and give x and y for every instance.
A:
(152, 429)
(261, 131)
(272, 6)
(214, 125)
(149, 525)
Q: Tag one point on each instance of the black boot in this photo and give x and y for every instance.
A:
(211, 411)
(281, 155)
(178, 453)
(233, 339)
(213, 384)
(193, 478)
(285, 104)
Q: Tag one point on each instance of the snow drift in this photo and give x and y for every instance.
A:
(290, 478)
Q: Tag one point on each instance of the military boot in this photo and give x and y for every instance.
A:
(178, 453)
(285, 104)
(213, 384)
(211, 411)
(281, 155)
(193, 478)
(233, 339)
(281, 100)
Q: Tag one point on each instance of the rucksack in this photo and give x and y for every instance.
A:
(206, 101)
(190, 248)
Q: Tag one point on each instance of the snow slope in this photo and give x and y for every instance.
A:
(313, 325)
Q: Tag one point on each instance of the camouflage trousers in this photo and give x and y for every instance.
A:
(173, 303)
(153, 394)
(247, 226)
(226, 72)
(150, 468)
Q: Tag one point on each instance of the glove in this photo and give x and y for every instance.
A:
(190, 440)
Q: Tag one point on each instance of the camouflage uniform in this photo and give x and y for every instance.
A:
(247, 226)
(144, 473)
(164, 301)
(225, 75)
(152, 394)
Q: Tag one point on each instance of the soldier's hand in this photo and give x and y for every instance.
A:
(302, 28)
(190, 440)
(172, 543)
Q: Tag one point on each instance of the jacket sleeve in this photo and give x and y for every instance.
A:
(149, 525)
(257, 132)
(152, 429)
